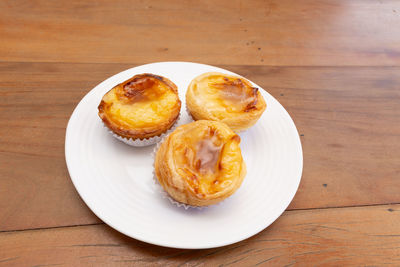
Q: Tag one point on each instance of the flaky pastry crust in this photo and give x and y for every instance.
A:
(144, 106)
(200, 163)
(226, 98)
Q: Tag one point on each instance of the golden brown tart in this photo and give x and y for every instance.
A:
(144, 106)
(200, 163)
(221, 97)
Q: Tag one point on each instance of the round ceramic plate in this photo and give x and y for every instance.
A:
(115, 180)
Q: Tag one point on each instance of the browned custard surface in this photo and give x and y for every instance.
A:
(221, 97)
(142, 106)
(236, 95)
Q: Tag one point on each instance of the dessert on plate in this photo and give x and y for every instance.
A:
(226, 98)
(143, 107)
(200, 163)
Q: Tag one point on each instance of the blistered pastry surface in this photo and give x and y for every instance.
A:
(200, 163)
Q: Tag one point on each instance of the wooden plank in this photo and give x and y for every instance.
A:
(349, 122)
(348, 117)
(328, 237)
(276, 32)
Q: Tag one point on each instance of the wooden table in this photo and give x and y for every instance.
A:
(333, 64)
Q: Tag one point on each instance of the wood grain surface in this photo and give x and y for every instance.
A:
(327, 237)
(278, 32)
(348, 119)
(333, 64)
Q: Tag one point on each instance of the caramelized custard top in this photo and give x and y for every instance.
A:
(237, 93)
(145, 87)
(145, 100)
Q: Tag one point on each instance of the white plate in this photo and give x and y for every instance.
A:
(115, 180)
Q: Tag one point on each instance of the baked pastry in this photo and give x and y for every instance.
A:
(144, 106)
(200, 163)
(221, 97)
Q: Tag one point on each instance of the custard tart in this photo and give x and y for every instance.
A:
(226, 98)
(144, 106)
(200, 163)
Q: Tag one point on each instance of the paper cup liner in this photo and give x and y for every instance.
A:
(146, 141)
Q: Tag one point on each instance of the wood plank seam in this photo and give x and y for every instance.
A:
(288, 211)
(134, 64)
(333, 237)
(50, 228)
